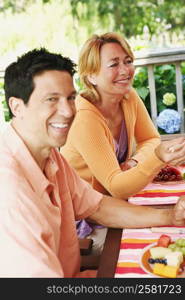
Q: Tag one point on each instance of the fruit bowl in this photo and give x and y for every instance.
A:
(145, 255)
(169, 174)
(147, 267)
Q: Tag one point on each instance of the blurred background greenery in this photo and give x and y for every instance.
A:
(63, 26)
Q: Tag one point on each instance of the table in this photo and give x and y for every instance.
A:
(167, 137)
(110, 253)
(109, 256)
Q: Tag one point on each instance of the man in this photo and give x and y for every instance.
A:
(41, 195)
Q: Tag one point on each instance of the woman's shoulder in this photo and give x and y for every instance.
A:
(82, 103)
(132, 95)
(132, 99)
(87, 110)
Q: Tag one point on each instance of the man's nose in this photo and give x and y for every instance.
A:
(65, 108)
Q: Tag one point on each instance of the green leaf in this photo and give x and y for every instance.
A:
(143, 92)
(160, 106)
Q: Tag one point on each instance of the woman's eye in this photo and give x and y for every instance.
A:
(113, 65)
(129, 61)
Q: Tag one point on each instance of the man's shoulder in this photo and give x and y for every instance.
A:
(9, 170)
(7, 160)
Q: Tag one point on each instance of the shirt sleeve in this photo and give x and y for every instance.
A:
(146, 135)
(25, 236)
(84, 198)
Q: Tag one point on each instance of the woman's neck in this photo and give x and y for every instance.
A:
(110, 107)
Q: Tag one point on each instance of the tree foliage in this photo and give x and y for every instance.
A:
(130, 17)
(125, 16)
(18, 5)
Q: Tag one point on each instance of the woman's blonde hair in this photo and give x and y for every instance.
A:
(89, 59)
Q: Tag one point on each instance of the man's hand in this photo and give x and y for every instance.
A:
(179, 212)
(172, 151)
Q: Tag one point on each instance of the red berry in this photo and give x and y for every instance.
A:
(164, 241)
(168, 173)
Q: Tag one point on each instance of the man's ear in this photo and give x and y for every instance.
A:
(16, 105)
(92, 79)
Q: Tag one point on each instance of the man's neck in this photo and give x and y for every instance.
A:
(39, 154)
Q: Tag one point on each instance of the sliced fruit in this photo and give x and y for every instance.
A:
(172, 246)
(158, 269)
(164, 241)
(170, 271)
(183, 250)
(180, 242)
(159, 252)
(166, 271)
(174, 258)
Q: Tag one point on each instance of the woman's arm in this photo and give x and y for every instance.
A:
(93, 145)
(146, 135)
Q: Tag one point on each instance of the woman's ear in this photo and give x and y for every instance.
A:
(16, 105)
(92, 79)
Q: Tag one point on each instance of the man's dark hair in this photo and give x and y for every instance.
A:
(18, 80)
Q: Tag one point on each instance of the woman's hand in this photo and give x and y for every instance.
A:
(172, 151)
(128, 164)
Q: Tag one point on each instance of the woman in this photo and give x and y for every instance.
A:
(110, 118)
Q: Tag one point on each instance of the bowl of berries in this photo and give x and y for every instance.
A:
(165, 258)
(170, 175)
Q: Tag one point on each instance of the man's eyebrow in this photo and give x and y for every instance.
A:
(52, 94)
(55, 94)
(49, 95)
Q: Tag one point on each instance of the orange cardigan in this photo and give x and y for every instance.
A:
(90, 148)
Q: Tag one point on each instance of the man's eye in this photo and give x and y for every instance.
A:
(72, 97)
(52, 99)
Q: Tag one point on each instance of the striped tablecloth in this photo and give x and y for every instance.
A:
(156, 193)
(132, 243)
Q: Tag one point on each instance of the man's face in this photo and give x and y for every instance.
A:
(46, 119)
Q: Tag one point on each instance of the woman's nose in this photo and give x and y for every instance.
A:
(123, 68)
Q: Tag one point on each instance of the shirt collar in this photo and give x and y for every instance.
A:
(27, 163)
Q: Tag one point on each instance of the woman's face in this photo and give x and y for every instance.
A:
(116, 71)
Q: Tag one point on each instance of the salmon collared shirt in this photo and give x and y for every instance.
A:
(38, 211)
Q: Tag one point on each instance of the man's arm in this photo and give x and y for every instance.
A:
(179, 212)
(117, 213)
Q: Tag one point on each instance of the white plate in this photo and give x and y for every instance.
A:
(145, 255)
